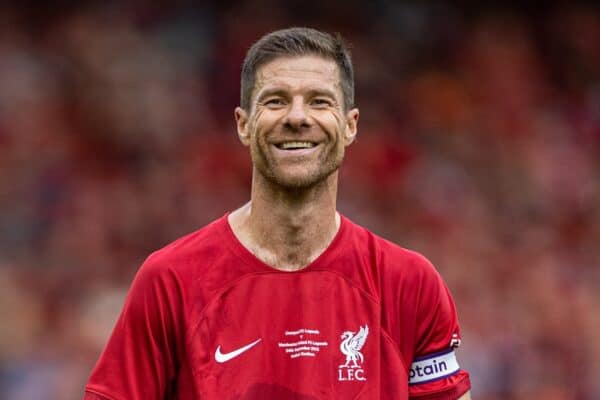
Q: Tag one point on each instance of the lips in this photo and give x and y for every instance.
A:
(295, 145)
(294, 149)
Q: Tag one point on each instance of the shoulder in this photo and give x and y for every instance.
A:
(208, 239)
(411, 266)
(184, 254)
(405, 280)
(181, 269)
(392, 260)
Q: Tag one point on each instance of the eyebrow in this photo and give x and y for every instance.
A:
(322, 92)
(283, 92)
(270, 92)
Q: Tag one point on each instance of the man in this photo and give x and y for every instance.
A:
(284, 298)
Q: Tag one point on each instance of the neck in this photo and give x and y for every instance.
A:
(287, 229)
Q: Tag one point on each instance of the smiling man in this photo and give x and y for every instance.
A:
(284, 298)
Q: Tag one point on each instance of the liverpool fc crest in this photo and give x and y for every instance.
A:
(350, 346)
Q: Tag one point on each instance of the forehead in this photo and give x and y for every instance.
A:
(297, 73)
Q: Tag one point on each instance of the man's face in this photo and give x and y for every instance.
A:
(297, 129)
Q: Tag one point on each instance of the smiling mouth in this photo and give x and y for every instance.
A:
(295, 145)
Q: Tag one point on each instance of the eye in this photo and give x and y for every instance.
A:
(274, 102)
(321, 102)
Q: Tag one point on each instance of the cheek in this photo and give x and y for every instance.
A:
(253, 123)
(330, 123)
(262, 124)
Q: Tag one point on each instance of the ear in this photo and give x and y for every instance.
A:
(241, 119)
(351, 126)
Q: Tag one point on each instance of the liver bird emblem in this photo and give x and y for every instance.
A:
(351, 345)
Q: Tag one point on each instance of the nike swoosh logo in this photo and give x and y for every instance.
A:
(223, 357)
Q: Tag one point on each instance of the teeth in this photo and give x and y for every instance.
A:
(296, 145)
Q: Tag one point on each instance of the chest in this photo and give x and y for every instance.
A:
(300, 336)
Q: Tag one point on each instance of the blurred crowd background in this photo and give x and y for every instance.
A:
(479, 146)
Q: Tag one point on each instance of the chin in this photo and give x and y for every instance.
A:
(300, 176)
(299, 181)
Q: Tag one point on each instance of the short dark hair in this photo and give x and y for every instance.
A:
(294, 42)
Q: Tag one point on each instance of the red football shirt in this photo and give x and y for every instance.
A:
(206, 320)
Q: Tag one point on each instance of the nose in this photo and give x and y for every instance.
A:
(297, 117)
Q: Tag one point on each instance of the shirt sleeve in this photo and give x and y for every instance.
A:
(435, 373)
(141, 357)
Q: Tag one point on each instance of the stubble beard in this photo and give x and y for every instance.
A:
(275, 174)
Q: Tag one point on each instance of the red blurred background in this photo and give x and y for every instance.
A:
(478, 146)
